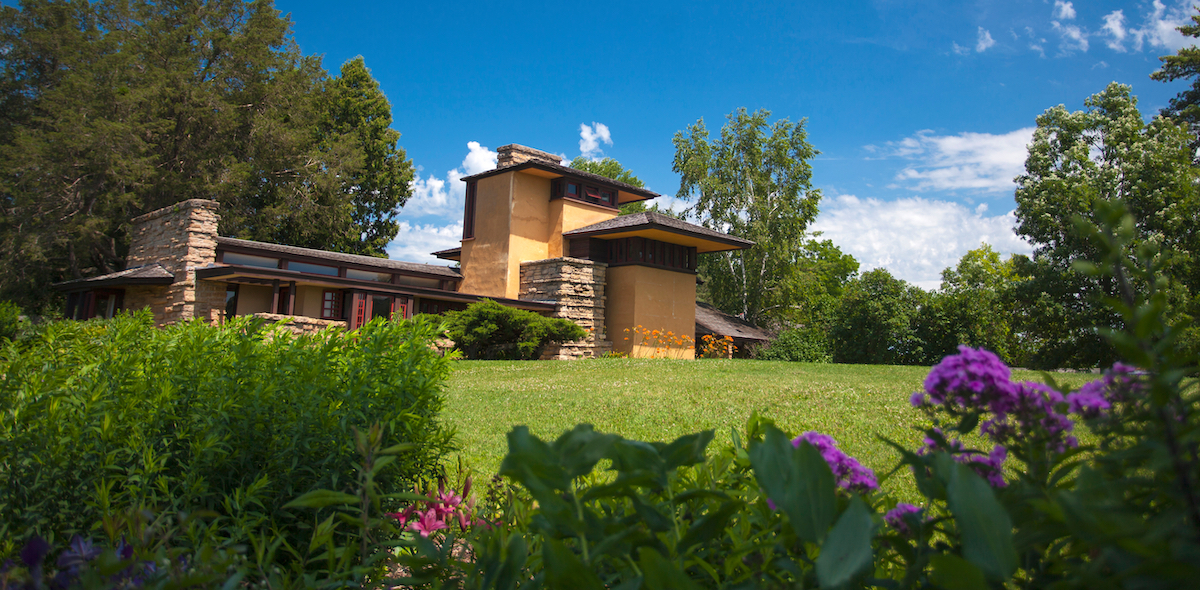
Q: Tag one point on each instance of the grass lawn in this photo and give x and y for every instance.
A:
(659, 400)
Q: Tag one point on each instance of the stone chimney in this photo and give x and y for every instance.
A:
(513, 154)
(182, 238)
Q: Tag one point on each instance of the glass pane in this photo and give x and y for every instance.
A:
(363, 275)
(248, 260)
(381, 306)
(317, 269)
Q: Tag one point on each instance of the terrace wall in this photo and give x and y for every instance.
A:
(576, 287)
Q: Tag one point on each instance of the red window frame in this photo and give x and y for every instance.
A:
(331, 305)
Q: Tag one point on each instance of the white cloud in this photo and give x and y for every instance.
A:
(1114, 28)
(1073, 38)
(433, 196)
(968, 161)
(985, 40)
(913, 238)
(1159, 26)
(1038, 48)
(1063, 10)
(414, 243)
(590, 138)
(960, 50)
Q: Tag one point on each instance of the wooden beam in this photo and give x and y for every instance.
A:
(275, 296)
(291, 304)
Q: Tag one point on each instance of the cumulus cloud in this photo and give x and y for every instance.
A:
(967, 161)
(1159, 27)
(1114, 29)
(1063, 10)
(591, 137)
(1072, 38)
(914, 238)
(433, 196)
(985, 40)
(415, 242)
(959, 49)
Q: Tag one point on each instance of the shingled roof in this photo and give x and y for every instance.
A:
(710, 320)
(654, 220)
(568, 171)
(147, 274)
(382, 263)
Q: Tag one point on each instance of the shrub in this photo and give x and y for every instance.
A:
(805, 345)
(102, 417)
(488, 330)
(11, 322)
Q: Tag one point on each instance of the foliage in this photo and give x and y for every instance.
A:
(1077, 160)
(488, 330)
(660, 343)
(876, 321)
(753, 182)
(1185, 64)
(11, 321)
(713, 346)
(102, 418)
(804, 345)
(112, 109)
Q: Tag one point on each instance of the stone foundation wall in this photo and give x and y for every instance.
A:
(300, 324)
(576, 287)
(182, 237)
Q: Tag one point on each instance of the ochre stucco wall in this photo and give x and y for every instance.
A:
(654, 299)
(485, 258)
(254, 299)
(530, 227)
(568, 215)
(308, 301)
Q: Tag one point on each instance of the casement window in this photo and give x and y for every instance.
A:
(469, 211)
(565, 188)
(331, 305)
(231, 299)
(649, 252)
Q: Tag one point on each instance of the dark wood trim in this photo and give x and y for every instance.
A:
(340, 265)
(275, 296)
(291, 304)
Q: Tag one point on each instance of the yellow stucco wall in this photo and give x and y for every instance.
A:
(567, 215)
(485, 258)
(254, 299)
(530, 226)
(654, 299)
(308, 301)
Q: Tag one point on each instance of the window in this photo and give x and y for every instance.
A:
(381, 306)
(363, 275)
(316, 269)
(248, 260)
(231, 299)
(569, 189)
(331, 308)
(651, 253)
(469, 212)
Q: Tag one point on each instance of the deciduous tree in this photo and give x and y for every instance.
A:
(754, 182)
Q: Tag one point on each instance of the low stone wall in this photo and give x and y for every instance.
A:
(299, 324)
(576, 288)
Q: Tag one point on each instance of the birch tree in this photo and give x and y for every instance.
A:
(754, 181)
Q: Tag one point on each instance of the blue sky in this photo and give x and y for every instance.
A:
(921, 109)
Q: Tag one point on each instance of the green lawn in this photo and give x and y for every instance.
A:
(663, 399)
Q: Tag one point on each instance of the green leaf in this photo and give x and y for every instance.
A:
(685, 450)
(798, 480)
(710, 526)
(321, 499)
(397, 449)
(657, 521)
(985, 526)
(847, 550)
(565, 570)
(660, 574)
(581, 448)
(955, 573)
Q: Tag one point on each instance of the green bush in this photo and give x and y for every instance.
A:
(103, 417)
(488, 330)
(805, 345)
(11, 322)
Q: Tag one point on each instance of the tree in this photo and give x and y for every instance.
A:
(1185, 64)
(876, 321)
(1076, 160)
(115, 108)
(974, 306)
(753, 182)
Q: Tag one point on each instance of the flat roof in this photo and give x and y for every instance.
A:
(147, 274)
(664, 228)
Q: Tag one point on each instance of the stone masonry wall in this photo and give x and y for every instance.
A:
(181, 237)
(300, 324)
(576, 287)
(513, 154)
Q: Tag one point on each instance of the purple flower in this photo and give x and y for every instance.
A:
(1089, 401)
(847, 471)
(989, 466)
(971, 376)
(79, 552)
(918, 399)
(898, 517)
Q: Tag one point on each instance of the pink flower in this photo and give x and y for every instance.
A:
(428, 522)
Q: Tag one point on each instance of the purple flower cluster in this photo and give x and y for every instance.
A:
(973, 378)
(989, 466)
(847, 471)
(1029, 411)
(898, 517)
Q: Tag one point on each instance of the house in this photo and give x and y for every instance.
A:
(537, 235)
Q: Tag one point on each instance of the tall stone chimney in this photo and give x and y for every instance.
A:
(182, 238)
(513, 154)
